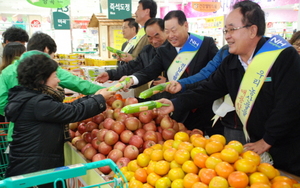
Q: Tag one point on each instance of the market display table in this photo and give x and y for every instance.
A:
(72, 156)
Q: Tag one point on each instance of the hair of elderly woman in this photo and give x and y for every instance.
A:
(11, 51)
(295, 37)
(34, 71)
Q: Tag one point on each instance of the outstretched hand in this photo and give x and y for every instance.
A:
(102, 77)
(105, 93)
(165, 109)
(173, 87)
(258, 147)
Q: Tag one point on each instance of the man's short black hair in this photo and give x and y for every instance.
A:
(132, 23)
(176, 14)
(159, 22)
(39, 41)
(34, 71)
(151, 5)
(13, 34)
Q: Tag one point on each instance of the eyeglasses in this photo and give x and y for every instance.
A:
(231, 30)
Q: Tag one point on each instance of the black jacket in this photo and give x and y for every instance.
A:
(143, 59)
(275, 113)
(167, 53)
(38, 136)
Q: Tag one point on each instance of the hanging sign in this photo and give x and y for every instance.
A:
(61, 20)
(49, 3)
(119, 9)
(206, 6)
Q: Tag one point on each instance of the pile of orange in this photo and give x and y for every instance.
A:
(197, 162)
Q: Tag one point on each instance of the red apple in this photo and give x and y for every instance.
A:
(122, 117)
(108, 123)
(94, 133)
(140, 132)
(146, 116)
(87, 120)
(95, 143)
(101, 125)
(72, 133)
(130, 100)
(98, 118)
(123, 161)
(87, 136)
(150, 135)
(151, 126)
(85, 147)
(120, 146)
(110, 100)
(73, 126)
(132, 123)
(159, 136)
(117, 104)
(105, 169)
(154, 114)
(168, 134)
(81, 128)
(111, 137)
(108, 113)
(159, 118)
(75, 139)
(77, 133)
(181, 127)
(115, 155)
(148, 144)
(116, 113)
(131, 152)
(196, 131)
(118, 127)
(136, 141)
(166, 122)
(89, 153)
(125, 136)
(104, 148)
(90, 126)
(175, 126)
(98, 157)
(101, 134)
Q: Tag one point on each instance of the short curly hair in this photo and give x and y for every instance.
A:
(34, 71)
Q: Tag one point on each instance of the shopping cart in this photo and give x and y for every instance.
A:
(58, 175)
(3, 146)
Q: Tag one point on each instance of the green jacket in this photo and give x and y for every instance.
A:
(8, 79)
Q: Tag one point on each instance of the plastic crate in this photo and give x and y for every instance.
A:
(62, 173)
(3, 146)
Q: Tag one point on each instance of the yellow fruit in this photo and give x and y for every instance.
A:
(267, 169)
(235, 145)
(162, 167)
(163, 182)
(152, 178)
(178, 183)
(218, 182)
(211, 162)
(176, 173)
(196, 150)
(213, 147)
(218, 138)
(169, 154)
(143, 160)
(229, 155)
(183, 136)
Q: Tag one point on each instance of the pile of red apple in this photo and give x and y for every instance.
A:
(119, 136)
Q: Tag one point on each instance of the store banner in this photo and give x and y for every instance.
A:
(61, 18)
(119, 9)
(212, 22)
(206, 6)
(49, 3)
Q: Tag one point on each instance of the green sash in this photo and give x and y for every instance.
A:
(255, 76)
(185, 56)
(132, 43)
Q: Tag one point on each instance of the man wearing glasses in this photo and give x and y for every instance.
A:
(260, 75)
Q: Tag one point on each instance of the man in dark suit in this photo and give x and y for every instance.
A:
(176, 28)
(129, 30)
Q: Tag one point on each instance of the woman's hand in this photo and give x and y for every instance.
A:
(105, 93)
(258, 147)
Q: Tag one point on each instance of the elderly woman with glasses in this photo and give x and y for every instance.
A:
(295, 41)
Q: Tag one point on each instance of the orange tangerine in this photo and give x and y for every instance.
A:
(190, 167)
(156, 155)
(258, 177)
(196, 150)
(218, 182)
(135, 183)
(199, 185)
(150, 167)
(199, 159)
(260, 185)
(163, 182)
(143, 160)
(183, 136)
(223, 169)
(186, 145)
(206, 174)
(152, 178)
(176, 173)
(213, 147)
(199, 142)
(162, 167)
(245, 165)
(251, 155)
(148, 151)
(174, 164)
(217, 155)
(211, 162)
(192, 137)
(282, 178)
(281, 184)
(190, 179)
(181, 156)
(238, 179)
(229, 155)
(133, 165)
(167, 144)
(176, 143)
(157, 146)
(147, 185)
(218, 138)
(141, 175)
(238, 146)
(267, 169)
